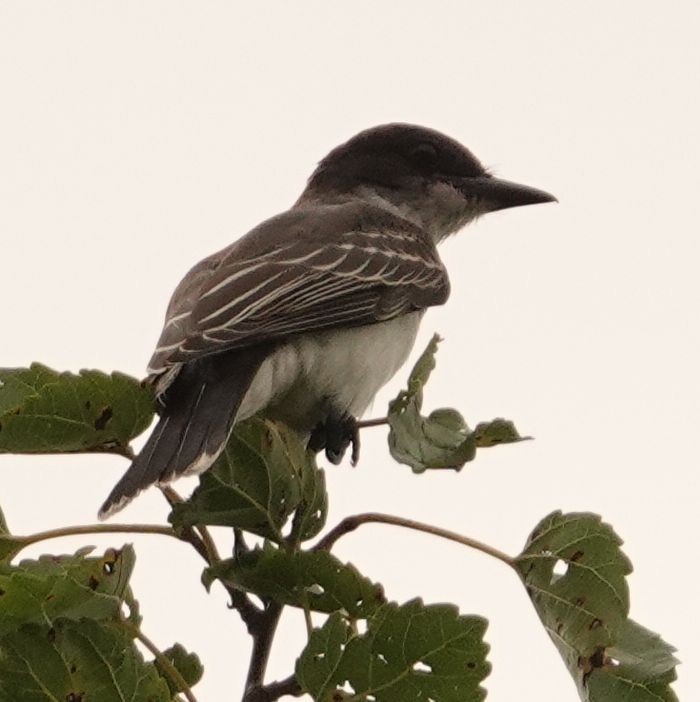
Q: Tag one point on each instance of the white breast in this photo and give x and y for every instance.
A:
(342, 369)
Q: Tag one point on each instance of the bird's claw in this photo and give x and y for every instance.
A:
(335, 435)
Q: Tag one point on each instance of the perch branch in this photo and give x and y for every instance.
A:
(263, 633)
(351, 523)
(203, 543)
(365, 423)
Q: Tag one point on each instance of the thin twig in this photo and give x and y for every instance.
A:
(96, 529)
(206, 548)
(351, 523)
(167, 666)
(308, 621)
(275, 690)
(263, 633)
(187, 533)
(365, 423)
(171, 495)
(207, 543)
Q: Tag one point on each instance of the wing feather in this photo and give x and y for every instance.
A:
(299, 273)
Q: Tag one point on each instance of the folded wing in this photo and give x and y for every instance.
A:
(302, 271)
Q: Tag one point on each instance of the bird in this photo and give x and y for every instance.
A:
(310, 313)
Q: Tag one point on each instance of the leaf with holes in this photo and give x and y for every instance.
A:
(442, 439)
(256, 484)
(640, 667)
(187, 664)
(310, 515)
(77, 661)
(43, 411)
(575, 573)
(317, 580)
(412, 652)
(70, 587)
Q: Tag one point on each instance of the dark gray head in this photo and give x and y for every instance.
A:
(429, 176)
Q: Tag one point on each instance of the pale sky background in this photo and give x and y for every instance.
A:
(138, 137)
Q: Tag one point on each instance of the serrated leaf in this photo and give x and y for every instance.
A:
(412, 652)
(69, 587)
(310, 515)
(76, 660)
(257, 483)
(186, 663)
(43, 411)
(575, 573)
(442, 439)
(318, 665)
(639, 668)
(131, 604)
(313, 579)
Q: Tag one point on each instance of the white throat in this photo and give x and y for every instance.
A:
(441, 210)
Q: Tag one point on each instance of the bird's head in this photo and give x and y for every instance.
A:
(422, 174)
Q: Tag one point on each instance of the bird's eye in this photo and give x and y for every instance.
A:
(424, 156)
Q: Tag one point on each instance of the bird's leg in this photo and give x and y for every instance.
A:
(317, 440)
(335, 435)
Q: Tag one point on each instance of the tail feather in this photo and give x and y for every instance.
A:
(199, 412)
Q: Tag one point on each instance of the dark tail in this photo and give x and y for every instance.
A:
(199, 412)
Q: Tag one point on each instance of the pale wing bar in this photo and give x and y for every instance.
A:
(360, 278)
(238, 299)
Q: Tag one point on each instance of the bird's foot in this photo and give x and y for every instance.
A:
(335, 435)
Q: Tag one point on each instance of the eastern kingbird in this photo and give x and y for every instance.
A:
(314, 310)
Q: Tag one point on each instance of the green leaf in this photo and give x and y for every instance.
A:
(69, 587)
(310, 516)
(639, 668)
(497, 431)
(76, 661)
(317, 580)
(131, 604)
(442, 439)
(409, 652)
(317, 669)
(575, 573)
(42, 411)
(187, 664)
(10, 545)
(264, 474)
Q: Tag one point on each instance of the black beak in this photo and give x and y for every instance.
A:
(501, 194)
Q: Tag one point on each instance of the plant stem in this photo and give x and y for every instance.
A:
(351, 523)
(204, 545)
(97, 529)
(308, 621)
(263, 633)
(206, 548)
(364, 424)
(209, 545)
(275, 690)
(167, 666)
